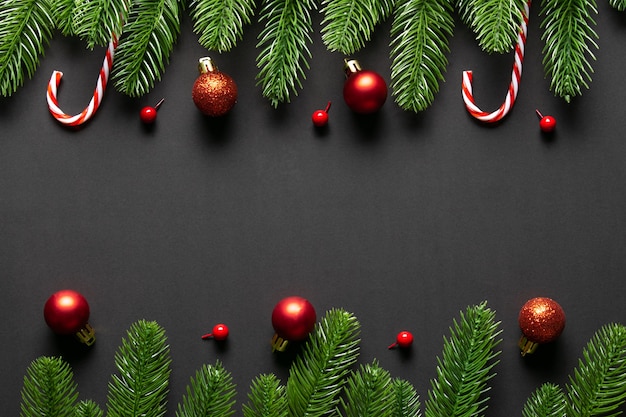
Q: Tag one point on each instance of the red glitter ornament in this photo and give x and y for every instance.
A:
(404, 339)
(67, 312)
(541, 320)
(364, 91)
(214, 93)
(293, 318)
(220, 332)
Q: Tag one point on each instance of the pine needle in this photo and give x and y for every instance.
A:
(569, 39)
(618, 4)
(421, 32)
(220, 22)
(349, 24)
(466, 365)
(49, 389)
(317, 376)
(284, 47)
(143, 362)
(143, 52)
(210, 393)
(368, 393)
(25, 31)
(267, 398)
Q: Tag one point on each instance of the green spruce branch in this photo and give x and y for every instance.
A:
(369, 393)
(421, 32)
(349, 24)
(25, 30)
(88, 408)
(496, 23)
(284, 45)
(406, 401)
(95, 21)
(210, 393)
(144, 50)
(318, 375)
(569, 39)
(49, 389)
(618, 4)
(267, 398)
(466, 366)
(219, 23)
(143, 362)
(547, 401)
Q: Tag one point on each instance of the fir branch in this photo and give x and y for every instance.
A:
(317, 376)
(406, 400)
(220, 22)
(267, 398)
(63, 15)
(618, 4)
(569, 39)
(349, 24)
(49, 389)
(149, 38)
(547, 401)
(25, 30)
(496, 23)
(95, 21)
(88, 408)
(284, 51)
(421, 32)
(143, 361)
(598, 385)
(210, 394)
(466, 365)
(368, 393)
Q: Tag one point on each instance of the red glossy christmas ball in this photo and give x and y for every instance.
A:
(541, 320)
(293, 318)
(364, 91)
(66, 312)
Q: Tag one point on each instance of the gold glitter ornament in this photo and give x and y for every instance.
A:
(214, 92)
(541, 320)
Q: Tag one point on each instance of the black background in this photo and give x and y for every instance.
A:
(402, 219)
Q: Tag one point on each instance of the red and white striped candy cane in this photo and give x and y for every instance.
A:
(516, 76)
(90, 110)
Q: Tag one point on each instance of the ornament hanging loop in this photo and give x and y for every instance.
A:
(516, 76)
(92, 107)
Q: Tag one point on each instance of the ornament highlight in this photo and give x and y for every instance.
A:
(547, 124)
(148, 114)
(220, 332)
(293, 318)
(320, 117)
(404, 340)
(516, 76)
(364, 91)
(541, 320)
(67, 312)
(214, 93)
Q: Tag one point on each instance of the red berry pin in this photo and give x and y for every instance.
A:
(219, 333)
(404, 340)
(547, 124)
(148, 114)
(320, 117)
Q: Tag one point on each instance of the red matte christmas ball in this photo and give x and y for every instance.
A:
(293, 318)
(364, 91)
(67, 312)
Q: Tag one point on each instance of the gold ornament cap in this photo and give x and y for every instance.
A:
(206, 65)
(351, 66)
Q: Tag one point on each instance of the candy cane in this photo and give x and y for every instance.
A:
(90, 110)
(516, 76)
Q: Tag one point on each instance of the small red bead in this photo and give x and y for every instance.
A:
(547, 124)
(148, 114)
(219, 332)
(320, 118)
(404, 339)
